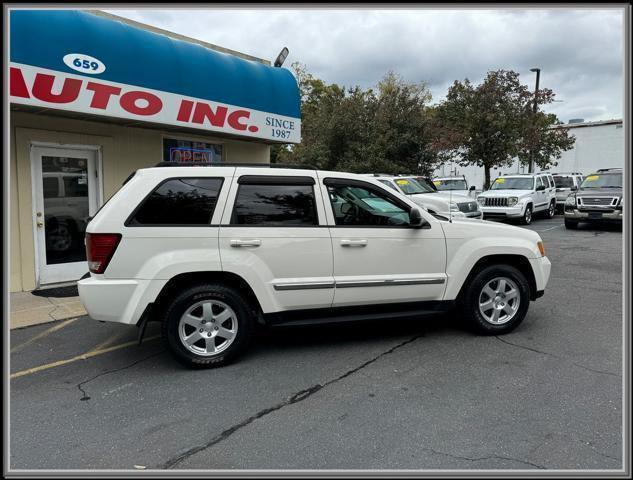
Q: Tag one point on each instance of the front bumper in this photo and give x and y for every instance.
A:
(593, 215)
(509, 212)
(121, 301)
(541, 267)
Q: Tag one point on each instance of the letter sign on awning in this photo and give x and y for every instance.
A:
(77, 61)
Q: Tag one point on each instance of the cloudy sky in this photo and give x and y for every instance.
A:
(580, 51)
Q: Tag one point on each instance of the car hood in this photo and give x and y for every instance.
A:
(463, 193)
(472, 228)
(505, 193)
(599, 192)
(446, 197)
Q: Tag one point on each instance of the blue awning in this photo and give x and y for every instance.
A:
(123, 55)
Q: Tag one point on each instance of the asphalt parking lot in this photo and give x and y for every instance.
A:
(415, 394)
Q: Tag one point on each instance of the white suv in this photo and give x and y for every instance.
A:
(519, 196)
(447, 204)
(209, 251)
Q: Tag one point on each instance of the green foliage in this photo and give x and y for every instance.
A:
(491, 124)
(362, 130)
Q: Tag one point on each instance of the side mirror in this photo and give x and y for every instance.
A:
(540, 188)
(574, 188)
(416, 220)
(472, 188)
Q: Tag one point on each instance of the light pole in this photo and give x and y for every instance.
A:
(534, 110)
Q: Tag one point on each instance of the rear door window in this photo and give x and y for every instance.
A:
(264, 203)
(179, 202)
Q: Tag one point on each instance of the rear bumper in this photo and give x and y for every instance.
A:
(121, 301)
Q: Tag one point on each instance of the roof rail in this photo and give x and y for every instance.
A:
(609, 169)
(223, 164)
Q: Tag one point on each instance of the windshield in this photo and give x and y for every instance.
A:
(613, 180)
(513, 183)
(563, 182)
(411, 186)
(458, 184)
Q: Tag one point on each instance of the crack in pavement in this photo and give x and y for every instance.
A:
(297, 397)
(602, 372)
(477, 459)
(107, 372)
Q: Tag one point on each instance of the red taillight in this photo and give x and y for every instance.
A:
(99, 250)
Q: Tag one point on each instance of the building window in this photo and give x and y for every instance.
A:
(179, 201)
(275, 206)
(191, 151)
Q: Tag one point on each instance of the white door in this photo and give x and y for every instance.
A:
(65, 194)
(274, 235)
(378, 258)
(542, 196)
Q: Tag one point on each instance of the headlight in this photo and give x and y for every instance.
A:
(571, 200)
(512, 201)
(481, 200)
(453, 206)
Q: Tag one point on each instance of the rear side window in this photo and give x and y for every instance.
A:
(275, 205)
(179, 202)
(563, 182)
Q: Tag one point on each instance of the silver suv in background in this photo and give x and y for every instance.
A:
(454, 184)
(565, 184)
(447, 204)
(599, 199)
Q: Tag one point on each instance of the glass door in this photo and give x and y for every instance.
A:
(65, 191)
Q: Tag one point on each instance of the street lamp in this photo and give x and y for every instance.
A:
(534, 109)
(281, 58)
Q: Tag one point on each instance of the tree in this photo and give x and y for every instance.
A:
(540, 141)
(361, 130)
(492, 124)
(482, 125)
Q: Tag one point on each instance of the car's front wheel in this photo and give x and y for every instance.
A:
(496, 300)
(526, 219)
(207, 325)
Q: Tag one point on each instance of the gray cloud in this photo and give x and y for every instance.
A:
(580, 51)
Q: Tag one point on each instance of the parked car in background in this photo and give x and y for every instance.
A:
(269, 254)
(442, 203)
(565, 184)
(600, 198)
(454, 184)
(519, 196)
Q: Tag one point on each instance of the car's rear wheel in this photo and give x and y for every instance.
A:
(496, 300)
(551, 211)
(571, 224)
(207, 325)
(526, 219)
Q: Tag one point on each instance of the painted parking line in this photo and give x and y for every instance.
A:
(83, 356)
(551, 228)
(43, 334)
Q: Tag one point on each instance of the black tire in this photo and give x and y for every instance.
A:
(571, 224)
(186, 299)
(470, 300)
(526, 219)
(551, 210)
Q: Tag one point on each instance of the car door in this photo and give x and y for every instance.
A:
(378, 257)
(541, 195)
(274, 236)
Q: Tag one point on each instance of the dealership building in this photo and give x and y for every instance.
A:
(93, 97)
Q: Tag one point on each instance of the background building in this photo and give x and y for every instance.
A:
(598, 145)
(94, 97)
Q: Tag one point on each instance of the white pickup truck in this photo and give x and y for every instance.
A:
(211, 250)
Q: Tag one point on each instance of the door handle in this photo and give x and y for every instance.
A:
(353, 243)
(245, 243)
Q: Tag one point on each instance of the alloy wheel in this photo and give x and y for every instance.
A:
(208, 327)
(499, 300)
